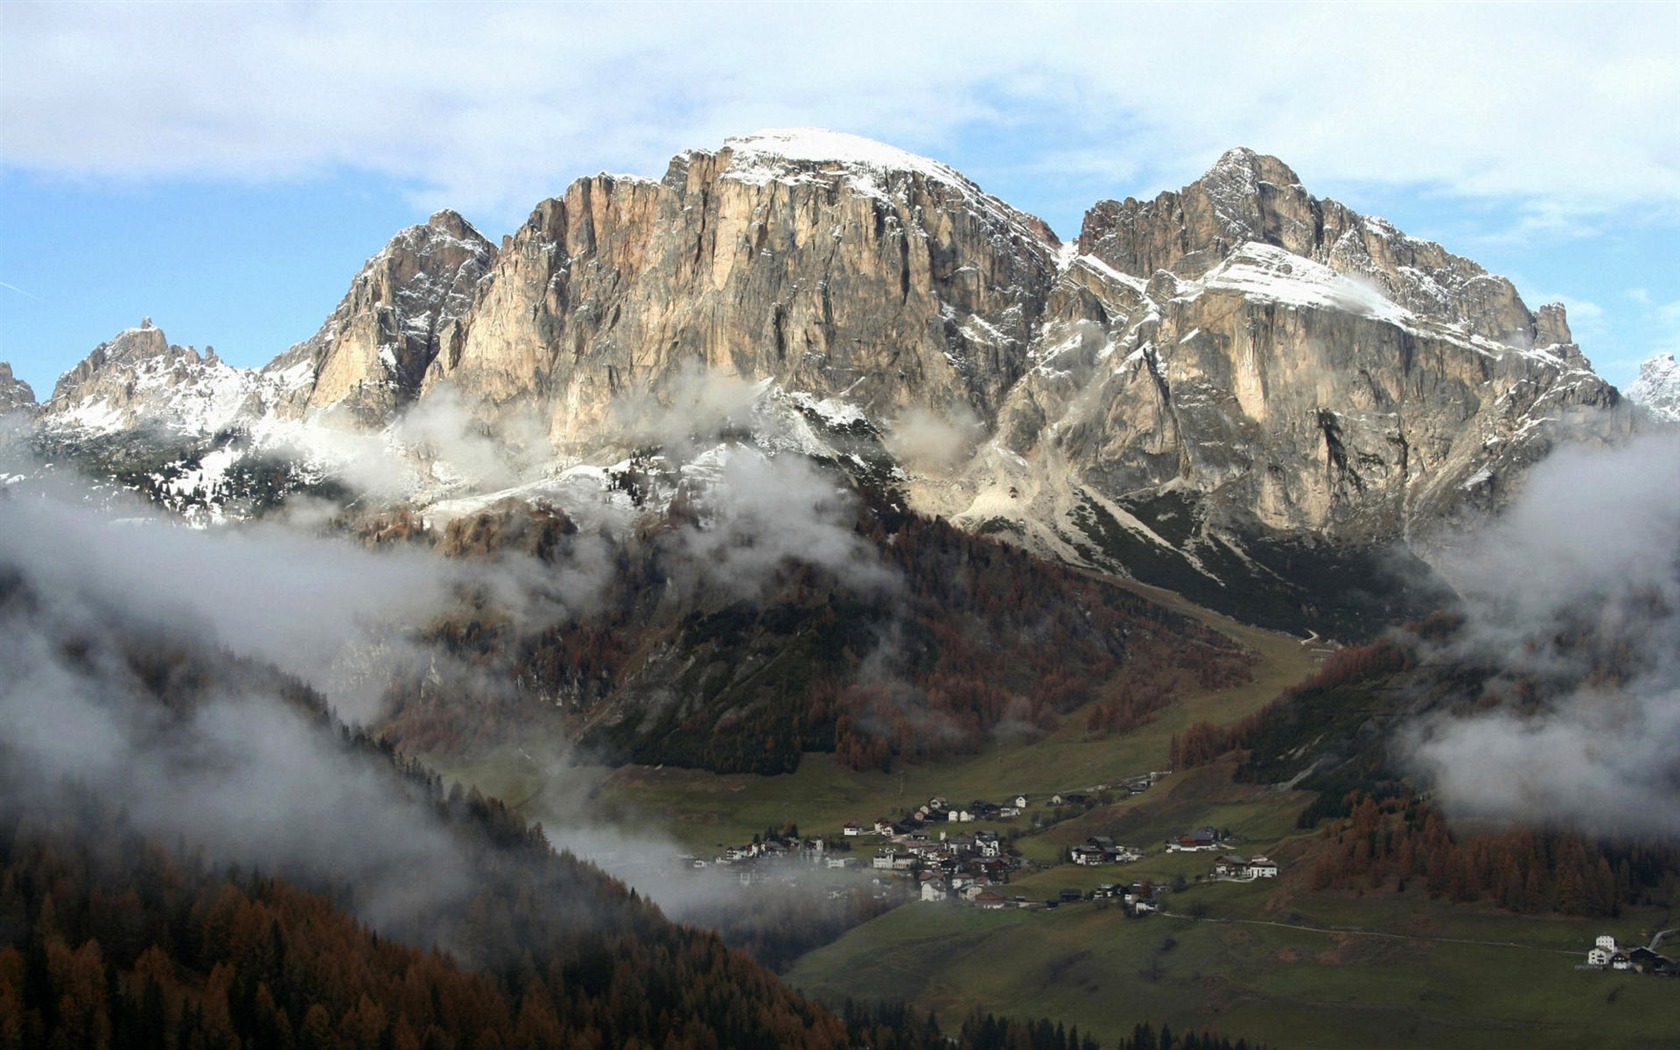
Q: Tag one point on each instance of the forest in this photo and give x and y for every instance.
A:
(978, 639)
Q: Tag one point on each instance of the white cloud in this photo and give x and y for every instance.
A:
(492, 107)
(1582, 572)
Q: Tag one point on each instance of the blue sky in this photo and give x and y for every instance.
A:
(225, 169)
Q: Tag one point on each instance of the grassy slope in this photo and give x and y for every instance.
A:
(1088, 965)
(705, 810)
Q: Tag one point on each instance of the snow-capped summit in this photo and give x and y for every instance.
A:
(1219, 372)
(768, 152)
(1658, 387)
(814, 155)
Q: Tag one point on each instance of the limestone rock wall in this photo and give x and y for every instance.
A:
(405, 307)
(15, 394)
(891, 287)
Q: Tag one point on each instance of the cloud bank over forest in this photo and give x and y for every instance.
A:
(1577, 588)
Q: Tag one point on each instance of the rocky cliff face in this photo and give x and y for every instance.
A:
(405, 307)
(1227, 374)
(14, 392)
(1248, 198)
(827, 264)
(1658, 387)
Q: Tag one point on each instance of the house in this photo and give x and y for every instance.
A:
(986, 842)
(989, 900)
(1089, 855)
(1645, 960)
(1191, 842)
(1619, 960)
(1601, 951)
(1231, 866)
(1262, 868)
(852, 829)
(1070, 896)
(1020, 802)
(935, 889)
(840, 863)
(1145, 906)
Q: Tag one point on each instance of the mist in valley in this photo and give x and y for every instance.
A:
(1573, 596)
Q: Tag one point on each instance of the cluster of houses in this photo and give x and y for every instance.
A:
(1606, 954)
(962, 865)
(1233, 867)
(946, 864)
(1100, 849)
(1139, 898)
(938, 811)
(757, 860)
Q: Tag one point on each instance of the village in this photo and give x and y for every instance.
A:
(927, 854)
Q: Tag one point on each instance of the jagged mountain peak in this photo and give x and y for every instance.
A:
(129, 348)
(1233, 364)
(14, 392)
(806, 154)
(1658, 387)
(443, 227)
(1249, 168)
(402, 309)
(780, 146)
(1251, 197)
(140, 378)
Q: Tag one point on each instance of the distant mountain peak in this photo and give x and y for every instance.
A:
(1250, 168)
(820, 145)
(803, 155)
(1658, 386)
(14, 392)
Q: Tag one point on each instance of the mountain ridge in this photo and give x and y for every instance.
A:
(1191, 382)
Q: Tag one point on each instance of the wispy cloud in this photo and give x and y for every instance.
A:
(486, 106)
(1578, 585)
(20, 291)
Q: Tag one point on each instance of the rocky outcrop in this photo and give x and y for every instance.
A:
(14, 393)
(139, 379)
(827, 264)
(1246, 197)
(1657, 387)
(1286, 396)
(406, 306)
(1234, 367)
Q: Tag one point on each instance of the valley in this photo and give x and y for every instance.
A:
(808, 553)
(1277, 961)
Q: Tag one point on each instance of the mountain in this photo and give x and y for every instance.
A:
(1658, 387)
(14, 392)
(228, 865)
(1237, 390)
(403, 309)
